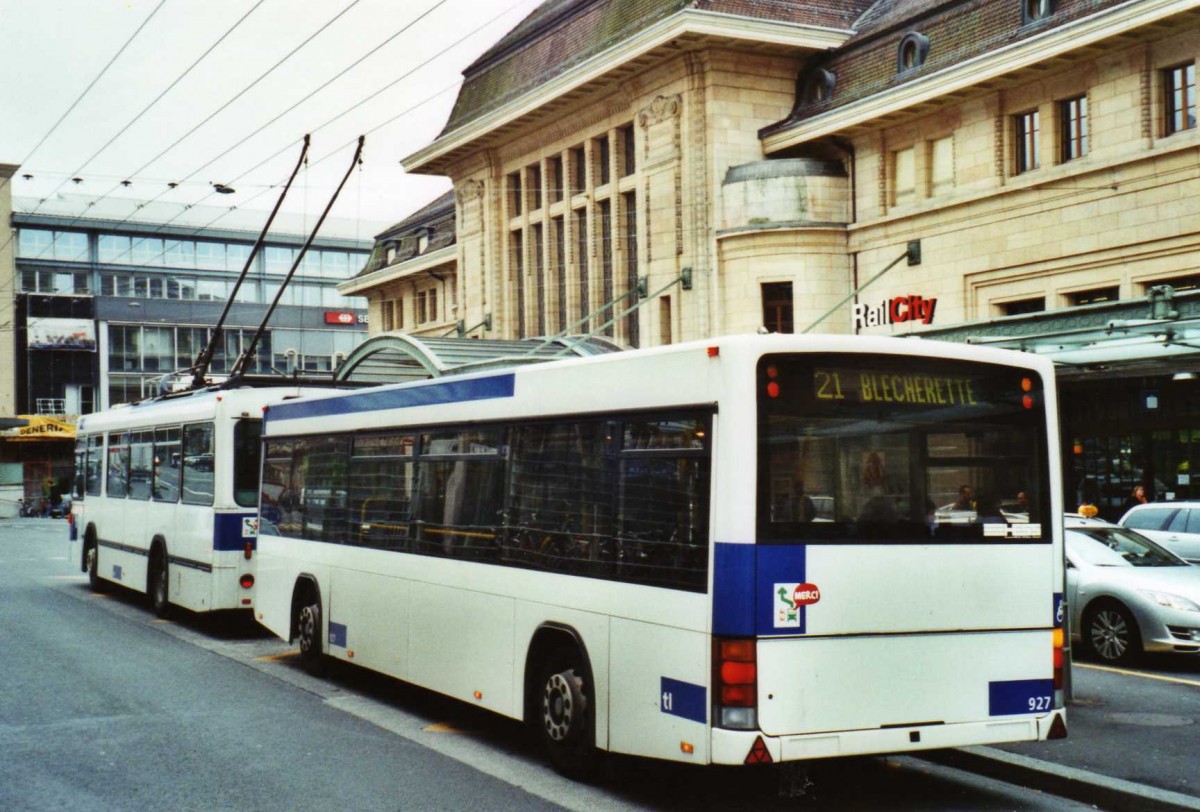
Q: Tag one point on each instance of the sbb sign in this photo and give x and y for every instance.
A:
(344, 317)
(895, 311)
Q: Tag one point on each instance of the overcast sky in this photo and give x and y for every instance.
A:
(201, 131)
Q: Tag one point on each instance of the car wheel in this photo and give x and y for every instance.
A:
(1111, 633)
(308, 629)
(564, 721)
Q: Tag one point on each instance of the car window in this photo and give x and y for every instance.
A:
(1117, 547)
(1149, 519)
(1178, 523)
(1193, 524)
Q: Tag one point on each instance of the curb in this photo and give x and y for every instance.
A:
(1102, 791)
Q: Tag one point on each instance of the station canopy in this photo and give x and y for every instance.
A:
(397, 357)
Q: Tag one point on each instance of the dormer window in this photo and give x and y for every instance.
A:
(818, 87)
(1034, 10)
(391, 253)
(914, 48)
(423, 241)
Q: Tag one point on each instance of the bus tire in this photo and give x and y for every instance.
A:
(158, 582)
(308, 631)
(564, 715)
(91, 563)
(1110, 633)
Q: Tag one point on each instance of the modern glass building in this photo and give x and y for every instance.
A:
(106, 308)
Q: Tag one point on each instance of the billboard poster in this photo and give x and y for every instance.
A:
(62, 334)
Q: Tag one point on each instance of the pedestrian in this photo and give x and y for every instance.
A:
(1136, 497)
(966, 500)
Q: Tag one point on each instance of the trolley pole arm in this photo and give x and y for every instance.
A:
(204, 358)
(249, 350)
(912, 254)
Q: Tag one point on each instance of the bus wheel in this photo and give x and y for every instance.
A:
(159, 584)
(91, 557)
(1112, 633)
(308, 627)
(565, 717)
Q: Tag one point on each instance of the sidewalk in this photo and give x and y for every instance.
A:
(1133, 744)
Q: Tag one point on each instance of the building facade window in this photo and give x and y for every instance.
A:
(518, 273)
(1023, 306)
(904, 176)
(578, 170)
(1073, 127)
(579, 226)
(632, 323)
(628, 151)
(777, 307)
(1026, 131)
(603, 156)
(554, 167)
(606, 258)
(534, 174)
(559, 269)
(1179, 84)
(539, 277)
(514, 194)
(1087, 297)
(941, 166)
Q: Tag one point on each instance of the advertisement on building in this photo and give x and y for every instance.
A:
(62, 334)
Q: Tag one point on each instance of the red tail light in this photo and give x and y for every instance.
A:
(247, 581)
(735, 683)
(249, 550)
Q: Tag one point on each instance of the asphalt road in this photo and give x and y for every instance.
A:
(104, 707)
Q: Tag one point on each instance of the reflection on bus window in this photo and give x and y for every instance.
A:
(198, 464)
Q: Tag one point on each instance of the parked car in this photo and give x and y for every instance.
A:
(1128, 595)
(1174, 525)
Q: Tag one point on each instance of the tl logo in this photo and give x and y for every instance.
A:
(790, 598)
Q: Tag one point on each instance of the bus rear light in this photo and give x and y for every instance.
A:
(249, 551)
(247, 581)
(713, 352)
(773, 390)
(247, 602)
(1027, 401)
(738, 673)
(735, 681)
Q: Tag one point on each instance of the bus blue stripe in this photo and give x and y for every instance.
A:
(745, 583)
(228, 534)
(425, 394)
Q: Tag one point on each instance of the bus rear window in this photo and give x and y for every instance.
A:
(895, 448)
(247, 458)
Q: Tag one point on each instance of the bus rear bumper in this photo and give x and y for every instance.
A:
(736, 746)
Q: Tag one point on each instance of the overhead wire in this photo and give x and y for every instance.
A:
(87, 89)
(159, 97)
(329, 121)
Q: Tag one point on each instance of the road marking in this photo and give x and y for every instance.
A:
(275, 658)
(1111, 670)
(160, 620)
(442, 727)
(99, 595)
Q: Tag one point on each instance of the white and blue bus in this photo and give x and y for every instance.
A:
(724, 552)
(166, 497)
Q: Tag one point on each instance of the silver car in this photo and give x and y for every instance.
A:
(1174, 525)
(1128, 594)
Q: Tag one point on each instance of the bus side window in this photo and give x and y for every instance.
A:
(118, 465)
(197, 485)
(247, 456)
(168, 464)
(81, 449)
(381, 483)
(95, 465)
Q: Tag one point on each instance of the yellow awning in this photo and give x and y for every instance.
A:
(42, 427)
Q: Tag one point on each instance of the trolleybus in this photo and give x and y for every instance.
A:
(723, 552)
(166, 497)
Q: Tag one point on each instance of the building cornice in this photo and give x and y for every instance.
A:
(359, 285)
(993, 65)
(687, 22)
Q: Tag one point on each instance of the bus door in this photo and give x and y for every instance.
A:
(905, 569)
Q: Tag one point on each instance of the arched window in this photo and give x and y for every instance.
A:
(914, 48)
(818, 86)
